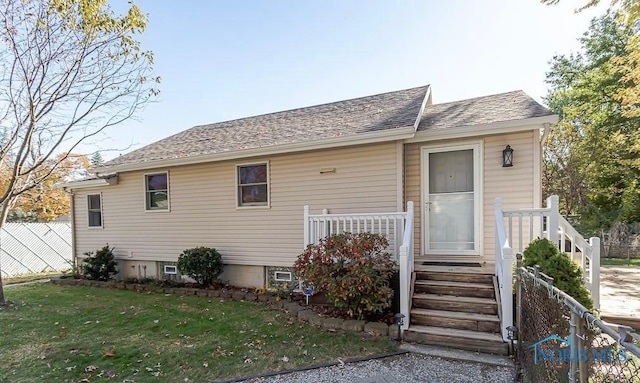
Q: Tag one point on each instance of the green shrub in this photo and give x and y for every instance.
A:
(203, 264)
(566, 274)
(101, 266)
(352, 269)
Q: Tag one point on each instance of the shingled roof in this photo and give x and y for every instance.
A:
(510, 106)
(343, 119)
(380, 112)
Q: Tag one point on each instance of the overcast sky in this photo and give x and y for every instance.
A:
(221, 60)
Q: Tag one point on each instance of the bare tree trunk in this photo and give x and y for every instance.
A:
(4, 210)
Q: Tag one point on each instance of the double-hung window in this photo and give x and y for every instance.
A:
(253, 185)
(157, 191)
(94, 209)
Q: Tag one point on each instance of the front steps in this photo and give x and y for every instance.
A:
(457, 308)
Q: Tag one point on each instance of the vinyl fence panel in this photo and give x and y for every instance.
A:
(27, 248)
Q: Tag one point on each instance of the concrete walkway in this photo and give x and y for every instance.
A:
(620, 295)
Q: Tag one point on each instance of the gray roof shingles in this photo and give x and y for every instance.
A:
(339, 119)
(508, 106)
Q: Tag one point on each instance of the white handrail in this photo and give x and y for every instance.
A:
(388, 224)
(405, 261)
(504, 270)
(524, 225)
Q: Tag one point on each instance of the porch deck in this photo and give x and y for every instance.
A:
(486, 267)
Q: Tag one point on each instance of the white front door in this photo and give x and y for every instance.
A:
(451, 180)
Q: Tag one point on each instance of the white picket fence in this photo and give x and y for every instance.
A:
(27, 248)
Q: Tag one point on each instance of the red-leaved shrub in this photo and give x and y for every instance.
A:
(352, 269)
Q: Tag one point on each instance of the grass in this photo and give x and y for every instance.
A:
(619, 262)
(30, 277)
(66, 334)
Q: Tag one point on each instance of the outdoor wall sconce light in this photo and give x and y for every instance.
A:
(507, 157)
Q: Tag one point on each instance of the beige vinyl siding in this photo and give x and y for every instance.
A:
(515, 185)
(203, 206)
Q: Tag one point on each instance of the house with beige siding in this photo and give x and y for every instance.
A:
(259, 189)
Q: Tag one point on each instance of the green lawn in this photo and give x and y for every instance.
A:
(30, 277)
(620, 261)
(66, 334)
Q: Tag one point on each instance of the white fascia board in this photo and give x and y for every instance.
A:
(360, 139)
(83, 184)
(424, 104)
(483, 129)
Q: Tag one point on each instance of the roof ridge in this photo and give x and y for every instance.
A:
(212, 125)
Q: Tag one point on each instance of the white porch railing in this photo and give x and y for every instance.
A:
(406, 267)
(390, 225)
(396, 227)
(524, 225)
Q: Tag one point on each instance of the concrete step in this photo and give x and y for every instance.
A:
(454, 275)
(456, 320)
(454, 303)
(464, 289)
(454, 338)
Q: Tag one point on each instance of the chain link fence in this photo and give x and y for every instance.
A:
(559, 340)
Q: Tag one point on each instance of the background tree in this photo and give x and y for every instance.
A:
(592, 159)
(68, 70)
(630, 9)
(47, 202)
(96, 159)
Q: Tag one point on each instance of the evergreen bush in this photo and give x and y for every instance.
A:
(101, 266)
(566, 274)
(203, 264)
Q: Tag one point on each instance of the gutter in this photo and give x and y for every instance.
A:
(482, 129)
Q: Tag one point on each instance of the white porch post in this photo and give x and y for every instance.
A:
(307, 210)
(405, 260)
(506, 287)
(497, 207)
(553, 222)
(594, 271)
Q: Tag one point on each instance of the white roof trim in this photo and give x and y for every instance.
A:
(360, 139)
(482, 129)
(83, 184)
(424, 104)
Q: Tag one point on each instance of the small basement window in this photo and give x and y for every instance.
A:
(253, 185)
(283, 276)
(94, 209)
(157, 191)
(171, 269)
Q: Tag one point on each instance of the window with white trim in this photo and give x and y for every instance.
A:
(253, 185)
(94, 210)
(157, 191)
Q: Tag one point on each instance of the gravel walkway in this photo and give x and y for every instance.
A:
(398, 369)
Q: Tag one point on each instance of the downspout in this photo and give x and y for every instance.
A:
(72, 221)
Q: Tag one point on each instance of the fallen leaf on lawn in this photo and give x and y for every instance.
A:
(340, 363)
(247, 360)
(205, 365)
(71, 368)
(285, 359)
(41, 357)
(90, 368)
(109, 353)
